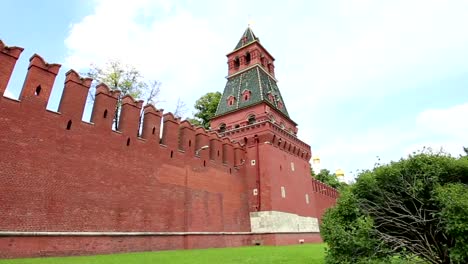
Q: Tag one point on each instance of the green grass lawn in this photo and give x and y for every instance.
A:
(307, 253)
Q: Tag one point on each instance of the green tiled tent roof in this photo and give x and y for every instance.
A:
(247, 38)
(262, 87)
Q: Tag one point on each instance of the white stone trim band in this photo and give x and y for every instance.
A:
(278, 222)
(72, 233)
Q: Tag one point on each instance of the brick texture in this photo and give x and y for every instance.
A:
(58, 173)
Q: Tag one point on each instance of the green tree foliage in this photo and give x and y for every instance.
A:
(127, 79)
(348, 232)
(453, 201)
(206, 109)
(416, 209)
(327, 177)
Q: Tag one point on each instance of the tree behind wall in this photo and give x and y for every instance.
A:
(327, 177)
(127, 79)
(205, 108)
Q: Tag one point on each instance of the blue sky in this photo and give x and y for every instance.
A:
(362, 78)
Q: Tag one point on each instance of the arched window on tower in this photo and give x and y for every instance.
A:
(246, 95)
(271, 97)
(270, 68)
(279, 104)
(251, 119)
(236, 62)
(222, 128)
(231, 100)
(248, 58)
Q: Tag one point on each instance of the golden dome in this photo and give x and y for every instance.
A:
(339, 173)
(316, 159)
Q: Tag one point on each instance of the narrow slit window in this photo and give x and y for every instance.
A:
(204, 163)
(105, 113)
(38, 90)
(190, 143)
(69, 124)
(236, 63)
(218, 153)
(128, 141)
(154, 130)
(172, 153)
(251, 119)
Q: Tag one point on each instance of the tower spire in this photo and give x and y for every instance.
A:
(251, 80)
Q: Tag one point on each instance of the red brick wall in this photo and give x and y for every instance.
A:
(91, 178)
(89, 245)
(58, 173)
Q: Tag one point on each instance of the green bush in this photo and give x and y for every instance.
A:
(412, 210)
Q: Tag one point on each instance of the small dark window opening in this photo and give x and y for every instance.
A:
(204, 163)
(247, 58)
(218, 153)
(236, 63)
(246, 97)
(105, 113)
(38, 90)
(237, 126)
(245, 141)
(190, 143)
(128, 141)
(230, 171)
(69, 124)
(222, 128)
(154, 130)
(231, 100)
(251, 119)
(172, 153)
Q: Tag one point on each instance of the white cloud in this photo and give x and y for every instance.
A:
(439, 129)
(450, 122)
(335, 61)
(178, 50)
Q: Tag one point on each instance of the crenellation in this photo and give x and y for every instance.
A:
(8, 58)
(105, 105)
(216, 150)
(228, 152)
(75, 93)
(39, 81)
(187, 138)
(12, 51)
(202, 143)
(151, 123)
(239, 155)
(129, 121)
(170, 134)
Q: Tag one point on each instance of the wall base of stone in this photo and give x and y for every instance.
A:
(47, 246)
